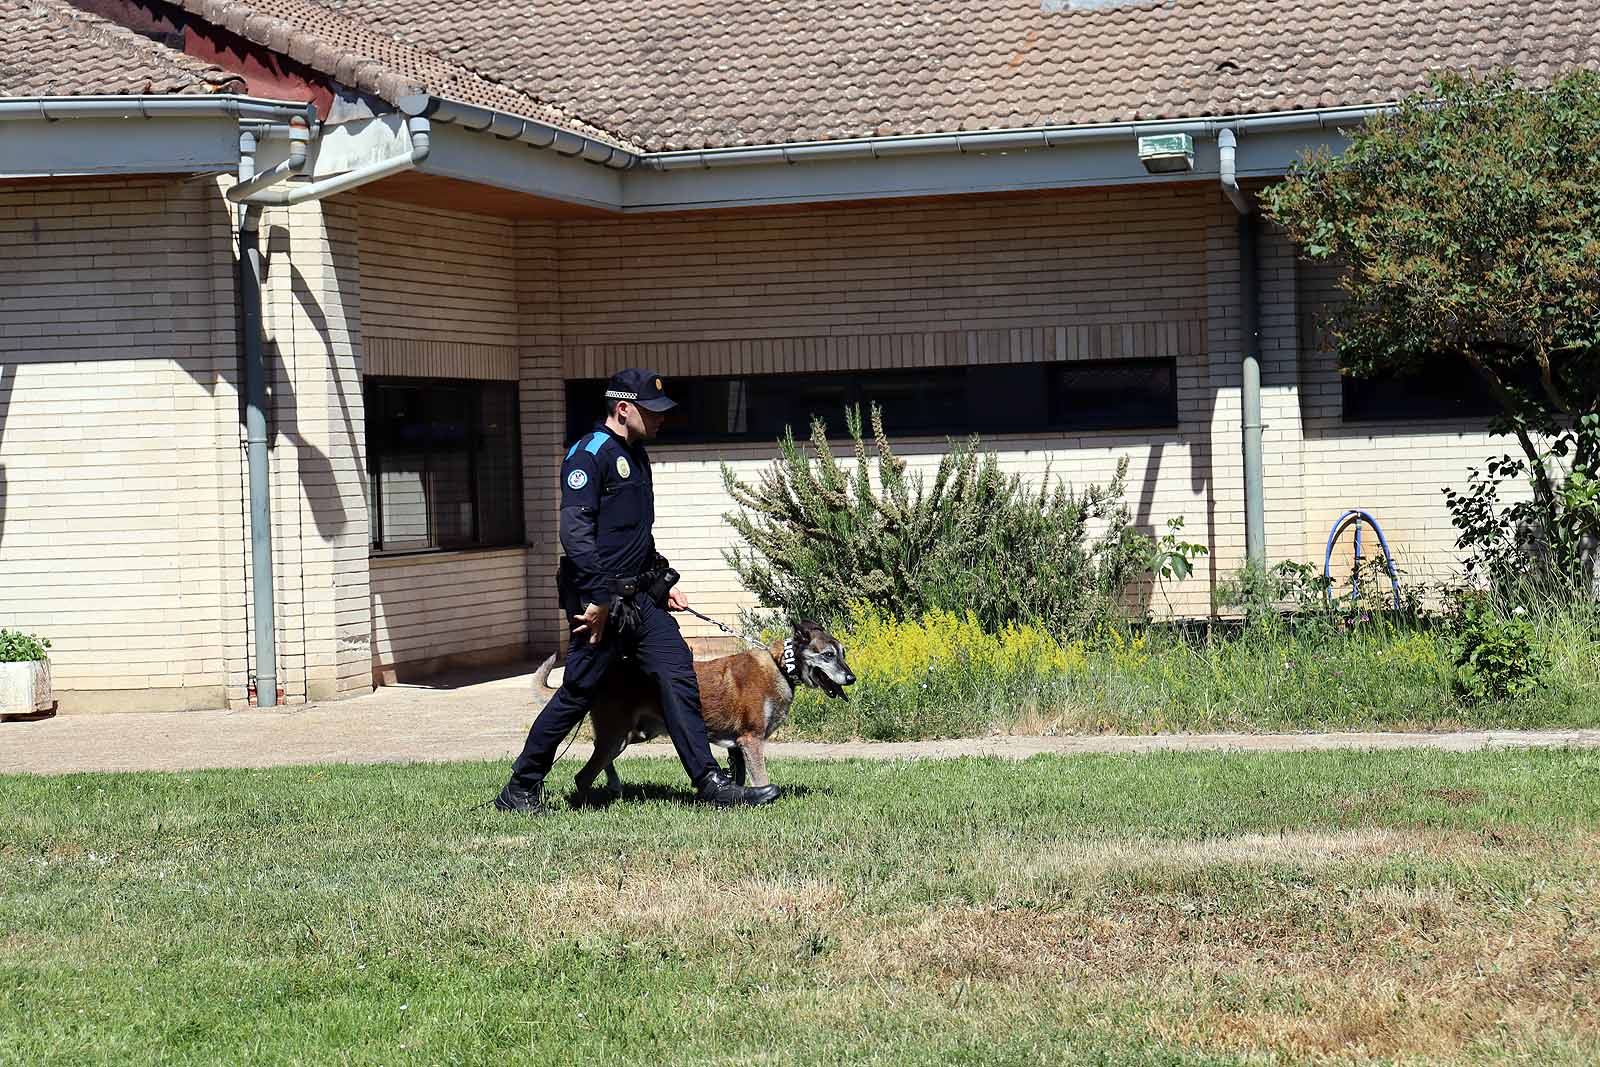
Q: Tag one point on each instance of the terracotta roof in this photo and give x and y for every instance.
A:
(49, 48)
(385, 63)
(704, 73)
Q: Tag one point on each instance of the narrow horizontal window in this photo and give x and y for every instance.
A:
(1128, 394)
(1443, 387)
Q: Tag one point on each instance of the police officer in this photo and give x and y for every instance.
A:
(616, 589)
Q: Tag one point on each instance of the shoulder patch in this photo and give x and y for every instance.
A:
(623, 470)
(577, 478)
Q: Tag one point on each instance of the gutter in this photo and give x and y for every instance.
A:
(1001, 140)
(250, 182)
(244, 108)
(510, 127)
(255, 194)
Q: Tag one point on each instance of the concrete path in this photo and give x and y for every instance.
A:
(473, 717)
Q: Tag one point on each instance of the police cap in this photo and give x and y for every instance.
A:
(641, 387)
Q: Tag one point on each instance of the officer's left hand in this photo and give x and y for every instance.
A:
(676, 601)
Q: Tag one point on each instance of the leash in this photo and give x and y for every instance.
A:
(725, 629)
(787, 666)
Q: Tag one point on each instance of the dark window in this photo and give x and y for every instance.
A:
(1442, 387)
(1087, 396)
(1004, 398)
(444, 464)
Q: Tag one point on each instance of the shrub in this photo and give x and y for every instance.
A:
(817, 536)
(941, 675)
(944, 676)
(18, 647)
(1496, 657)
(1547, 534)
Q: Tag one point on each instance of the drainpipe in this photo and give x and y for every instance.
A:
(421, 145)
(254, 193)
(255, 415)
(299, 142)
(1255, 519)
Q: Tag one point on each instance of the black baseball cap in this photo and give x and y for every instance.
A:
(642, 387)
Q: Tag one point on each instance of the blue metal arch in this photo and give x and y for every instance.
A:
(1358, 516)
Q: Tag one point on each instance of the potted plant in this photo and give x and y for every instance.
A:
(24, 674)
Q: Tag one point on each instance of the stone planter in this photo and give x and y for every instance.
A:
(25, 688)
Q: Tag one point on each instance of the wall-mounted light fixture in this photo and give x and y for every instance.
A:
(1167, 153)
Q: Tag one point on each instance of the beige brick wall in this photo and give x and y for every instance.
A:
(543, 413)
(120, 488)
(312, 334)
(439, 299)
(123, 532)
(1101, 273)
(466, 606)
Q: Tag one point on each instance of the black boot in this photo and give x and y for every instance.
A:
(524, 800)
(716, 788)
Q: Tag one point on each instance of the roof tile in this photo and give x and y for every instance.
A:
(50, 48)
(386, 63)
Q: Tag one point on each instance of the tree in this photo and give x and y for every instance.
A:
(1467, 223)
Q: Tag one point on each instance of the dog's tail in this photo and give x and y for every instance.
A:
(541, 677)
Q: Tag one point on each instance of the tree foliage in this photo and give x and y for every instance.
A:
(1468, 223)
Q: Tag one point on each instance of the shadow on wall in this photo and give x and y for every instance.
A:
(184, 279)
(8, 377)
(313, 468)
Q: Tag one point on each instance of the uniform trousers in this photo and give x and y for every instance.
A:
(661, 653)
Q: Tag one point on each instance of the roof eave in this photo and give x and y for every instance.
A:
(1004, 139)
(531, 132)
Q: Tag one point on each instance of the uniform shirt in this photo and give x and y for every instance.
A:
(608, 509)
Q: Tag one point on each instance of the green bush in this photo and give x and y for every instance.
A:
(1496, 657)
(18, 647)
(817, 536)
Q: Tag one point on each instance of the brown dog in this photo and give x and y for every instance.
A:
(743, 697)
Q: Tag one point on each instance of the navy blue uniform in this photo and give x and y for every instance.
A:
(608, 511)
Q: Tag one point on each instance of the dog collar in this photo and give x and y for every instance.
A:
(790, 671)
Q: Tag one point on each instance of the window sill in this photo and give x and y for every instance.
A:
(424, 555)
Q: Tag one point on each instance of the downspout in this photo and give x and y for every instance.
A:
(254, 193)
(1255, 515)
(255, 403)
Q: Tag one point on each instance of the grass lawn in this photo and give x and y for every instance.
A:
(1411, 907)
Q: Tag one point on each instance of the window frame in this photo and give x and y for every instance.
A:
(372, 386)
(1350, 383)
(856, 382)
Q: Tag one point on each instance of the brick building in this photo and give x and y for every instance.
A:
(940, 206)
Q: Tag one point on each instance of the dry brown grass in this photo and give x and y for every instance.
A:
(1292, 943)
